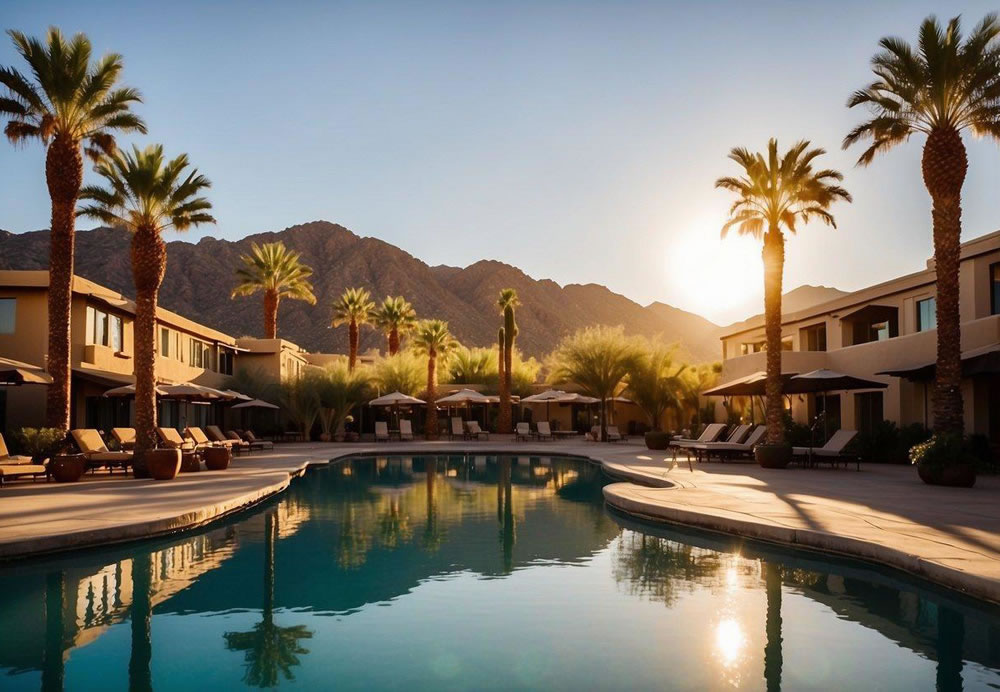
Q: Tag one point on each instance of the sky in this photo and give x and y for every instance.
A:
(578, 141)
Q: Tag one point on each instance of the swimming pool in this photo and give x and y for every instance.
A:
(475, 572)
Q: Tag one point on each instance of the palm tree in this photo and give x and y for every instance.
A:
(353, 309)
(597, 360)
(279, 273)
(74, 108)
(147, 195)
(775, 192)
(395, 317)
(474, 366)
(340, 390)
(940, 88)
(431, 338)
(507, 302)
(654, 383)
(403, 372)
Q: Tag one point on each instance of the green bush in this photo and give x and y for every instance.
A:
(799, 435)
(943, 450)
(40, 442)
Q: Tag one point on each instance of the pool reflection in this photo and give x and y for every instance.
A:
(376, 531)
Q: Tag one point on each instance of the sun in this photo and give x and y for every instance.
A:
(721, 279)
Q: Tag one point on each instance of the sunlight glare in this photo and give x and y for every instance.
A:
(729, 641)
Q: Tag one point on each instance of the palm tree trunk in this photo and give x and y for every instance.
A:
(431, 421)
(393, 341)
(774, 263)
(944, 167)
(772, 647)
(271, 299)
(149, 264)
(64, 176)
(604, 419)
(504, 422)
(353, 334)
(139, 673)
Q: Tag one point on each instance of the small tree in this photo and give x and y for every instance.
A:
(654, 383)
(340, 390)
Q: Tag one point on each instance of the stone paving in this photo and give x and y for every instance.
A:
(883, 513)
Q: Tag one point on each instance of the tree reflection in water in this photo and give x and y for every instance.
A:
(434, 531)
(270, 649)
(658, 568)
(140, 677)
(505, 495)
(53, 665)
(772, 650)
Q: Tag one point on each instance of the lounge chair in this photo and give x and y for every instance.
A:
(200, 438)
(728, 449)
(594, 435)
(711, 433)
(256, 441)
(612, 434)
(381, 431)
(457, 429)
(544, 431)
(16, 466)
(522, 432)
(473, 430)
(125, 437)
(832, 452)
(236, 437)
(171, 439)
(90, 443)
(405, 429)
(214, 433)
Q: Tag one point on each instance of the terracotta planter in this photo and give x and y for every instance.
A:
(217, 458)
(773, 456)
(953, 476)
(656, 439)
(67, 468)
(190, 462)
(163, 464)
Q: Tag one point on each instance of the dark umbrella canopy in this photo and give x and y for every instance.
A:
(828, 381)
(751, 385)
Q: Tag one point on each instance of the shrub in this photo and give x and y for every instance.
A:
(798, 434)
(40, 442)
(943, 450)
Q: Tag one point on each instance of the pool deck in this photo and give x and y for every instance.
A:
(883, 514)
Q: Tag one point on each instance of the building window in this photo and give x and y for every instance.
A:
(177, 347)
(8, 315)
(164, 342)
(926, 314)
(225, 361)
(995, 288)
(867, 411)
(814, 338)
(104, 329)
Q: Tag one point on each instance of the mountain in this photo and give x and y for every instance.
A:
(801, 298)
(200, 277)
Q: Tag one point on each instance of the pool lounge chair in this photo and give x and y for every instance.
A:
(544, 431)
(171, 439)
(522, 431)
(833, 452)
(728, 449)
(215, 434)
(90, 443)
(381, 431)
(594, 435)
(405, 429)
(612, 434)
(16, 466)
(711, 433)
(256, 441)
(200, 438)
(457, 429)
(257, 444)
(473, 430)
(125, 437)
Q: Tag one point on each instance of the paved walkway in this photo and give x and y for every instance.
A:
(883, 513)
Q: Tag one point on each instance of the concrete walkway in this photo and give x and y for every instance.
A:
(883, 513)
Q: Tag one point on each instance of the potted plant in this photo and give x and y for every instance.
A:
(657, 439)
(51, 444)
(945, 460)
(163, 464)
(773, 456)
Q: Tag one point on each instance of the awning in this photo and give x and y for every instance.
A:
(103, 377)
(751, 385)
(978, 361)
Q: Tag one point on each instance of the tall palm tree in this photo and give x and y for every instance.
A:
(353, 309)
(774, 193)
(939, 88)
(395, 317)
(147, 195)
(431, 338)
(75, 108)
(597, 360)
(279, 273)
(507, 302)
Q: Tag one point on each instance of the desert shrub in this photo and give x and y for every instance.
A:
(799, 434)
(943, 450)
(39, 442)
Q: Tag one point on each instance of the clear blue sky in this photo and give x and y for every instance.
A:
(578, 141)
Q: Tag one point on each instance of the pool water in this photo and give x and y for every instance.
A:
(475, 573)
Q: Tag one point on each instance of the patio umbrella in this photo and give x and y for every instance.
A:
(255, 403)
(465, 396)
(823, 381)
(129, 390)
(237, 395)
(547, 397)
(16, 373)
(396, 399)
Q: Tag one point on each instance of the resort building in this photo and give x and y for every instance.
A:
(887, 333)
(102, 354)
